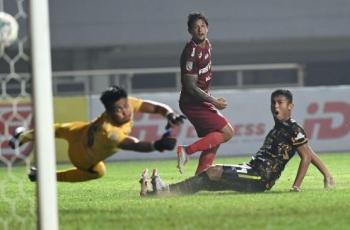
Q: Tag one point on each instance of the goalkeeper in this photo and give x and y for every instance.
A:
(92, 142)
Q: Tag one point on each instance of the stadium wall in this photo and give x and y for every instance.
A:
(323, 111)
(67, 109)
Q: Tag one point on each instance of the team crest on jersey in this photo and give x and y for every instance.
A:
(189, 65)
(206, 56)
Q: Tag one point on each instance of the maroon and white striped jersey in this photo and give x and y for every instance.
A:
(196, 60)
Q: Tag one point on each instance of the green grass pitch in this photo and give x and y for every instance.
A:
(113, 201)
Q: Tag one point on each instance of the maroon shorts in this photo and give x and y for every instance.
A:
(204, 117)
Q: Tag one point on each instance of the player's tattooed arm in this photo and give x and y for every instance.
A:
(189, 84)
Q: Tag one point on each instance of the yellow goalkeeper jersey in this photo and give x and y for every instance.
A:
(91, 142)
(106, 136)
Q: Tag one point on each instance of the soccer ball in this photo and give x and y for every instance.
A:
(8, 29)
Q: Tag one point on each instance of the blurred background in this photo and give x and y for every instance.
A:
(109, 35)
(258, 46)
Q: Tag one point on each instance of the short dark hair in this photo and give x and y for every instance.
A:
(193, 17)
(282, 92)
(111, 95)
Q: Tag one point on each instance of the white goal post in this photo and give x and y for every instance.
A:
(43, 110)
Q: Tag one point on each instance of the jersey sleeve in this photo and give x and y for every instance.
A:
(135, 103)
(298, 136)
(188, 61)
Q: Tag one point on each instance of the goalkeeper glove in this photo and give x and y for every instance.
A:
(165, 143)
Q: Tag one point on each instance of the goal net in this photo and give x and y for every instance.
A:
(19, 198)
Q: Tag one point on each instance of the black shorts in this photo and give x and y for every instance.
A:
(242, 178)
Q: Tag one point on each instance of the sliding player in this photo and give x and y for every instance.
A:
(261, 173)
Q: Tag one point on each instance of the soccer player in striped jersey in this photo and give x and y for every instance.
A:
(196, 102)
(285, 139)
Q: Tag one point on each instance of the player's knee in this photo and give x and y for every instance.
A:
(214, 172)
(99, 169)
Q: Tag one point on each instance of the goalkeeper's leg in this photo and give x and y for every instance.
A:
(68, 131)
(20, 137)
(74, 174)
(78, 175)
(72, 131)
